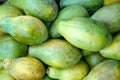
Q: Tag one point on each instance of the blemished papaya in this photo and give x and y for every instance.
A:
(10, 48)
(105, 70)
(8, 11)
(46, 10)
(56, 53)
(110, 16)
(65, 13)
(24, 68)
(85, 33)
(25, 29)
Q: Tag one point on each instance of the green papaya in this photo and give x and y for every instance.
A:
(46, 77)
(24, 68)
(94, 59)
(106, 70)
(113, 50)
(25, 29)
(77, 11)
(57, 53)
(87, 53)
(14, 3)
(110, 16)
(77, 72)
(8, 11)
(10, 48)
(85, 33)
(4, 75)
(90, 5)
(46, 10)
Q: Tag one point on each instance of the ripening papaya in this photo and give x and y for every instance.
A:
(8, 11)
(25, 29)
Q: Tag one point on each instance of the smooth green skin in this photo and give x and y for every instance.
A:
(90, 5)
(94, 59)
(87, 53)
(77, 72)
(106, 70)
(56, 53)
(46, 10)
(67, 13)
(8, 11)
(10, 48)
(113, 50)
(24, 68)
(4, 75)
(14, 3)
(85, 33)
(46, 77)
(25, 29)
(110, 16)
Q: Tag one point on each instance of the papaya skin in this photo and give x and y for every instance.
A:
(46, 10)
(110, 16)
(10, 48)
(14, 3)
(85, 33)
(24, 68)
(57, 53)
(77, 72)
(8, 11)
(4, 75)
(105, 70)
(65, 13)
(25, 29)
(113, 50)
(90, 5)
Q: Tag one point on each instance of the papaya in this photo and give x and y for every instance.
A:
(10, 48)
(107, 2)
(105, 70)
(113, 50)
(94, 59)
(8, 11)
(56, 53)
(24, 68)
(77, 72)
(45, 10)
(65, 13)
(25, 29)
(5, 75)
(14, 3)
(46, 77)
(110, 16)
(85, 33)
(87, 53)
(90, 5)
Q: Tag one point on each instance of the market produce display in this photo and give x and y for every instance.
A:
(60, 40)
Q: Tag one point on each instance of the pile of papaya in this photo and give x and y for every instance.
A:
(60, 40)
